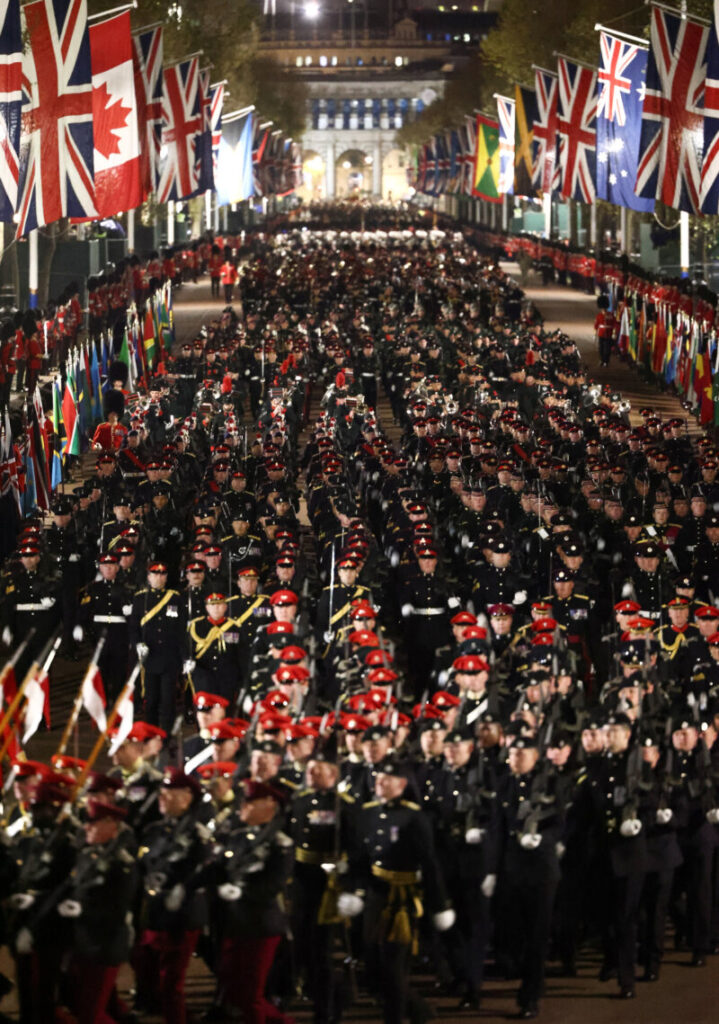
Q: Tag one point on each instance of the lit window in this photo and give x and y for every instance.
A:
(323, 60)
(465, 37)
(299, 62)
(308, 61)
(334, 62)
(398, 62)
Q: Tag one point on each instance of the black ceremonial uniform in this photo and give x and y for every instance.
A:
(105, 606)
(216, 652)
(158, 621)
(395, 844)
(320, 825)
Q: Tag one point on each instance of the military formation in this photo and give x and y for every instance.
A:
(435, 689)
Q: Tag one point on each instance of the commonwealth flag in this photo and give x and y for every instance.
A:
(486, 160)
(525, 155)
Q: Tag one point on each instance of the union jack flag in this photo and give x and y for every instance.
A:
(505, 116)
(259, 145)
(710, 167)
(181, 125)
(203, 141)
(217, 98)
(670, 148)
(577, 130)
(545, 130)
(147, 64)
(469, 144)
(56, 161)
(10, 103)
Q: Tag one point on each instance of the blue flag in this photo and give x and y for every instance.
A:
(621, 80)
(234, 180)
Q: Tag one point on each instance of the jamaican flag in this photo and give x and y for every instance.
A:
(525, 148)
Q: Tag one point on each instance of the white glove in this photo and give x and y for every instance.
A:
(174, 898)
(22, 900)
(47, 602)
(23, 942)
(229, 892)
(407, 610)
(349, 904)
(464, 541)
(335, 867)
(530, 840)
(520, 597)
(488, 886)
(127, 609)
(142, 651)
(69, 908)
(78, 633)
(560, 849)
(664, 815)
(601, 544)
(444, 920)
(188, 665)
(474, 836)
(453, 602)
(7, 636)
(630, 828)
(394, 559)
(327, 636)
(713, 816)
(627, 590)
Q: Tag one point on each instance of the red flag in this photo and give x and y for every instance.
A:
(114, 113)
(37, 694)
(93, 698)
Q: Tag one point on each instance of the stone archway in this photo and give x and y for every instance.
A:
(314, 169)
(394, 174)
(353, 173)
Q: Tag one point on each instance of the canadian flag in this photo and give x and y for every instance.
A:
(93, 697)
(37, 707)
(114, 117)
(125, 716)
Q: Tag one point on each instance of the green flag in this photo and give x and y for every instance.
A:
(486, 160)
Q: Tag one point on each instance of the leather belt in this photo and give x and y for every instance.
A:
(429, 611)
(311, 856)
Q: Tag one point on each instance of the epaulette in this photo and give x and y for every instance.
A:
(348, 798)
(372, 803)
(305, 792)
(145, 590)
(289, 784)
(409, 803)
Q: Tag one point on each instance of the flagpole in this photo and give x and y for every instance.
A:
(622, 35)
(130, 231)
(33, 268)
(45, 660)
(573, 60)
(113, 10)
(679, 13)
(147, 28)
(77, 705)
(170, 222)
(95, 753)
(12, 662)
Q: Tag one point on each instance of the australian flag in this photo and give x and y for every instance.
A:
(621, 80)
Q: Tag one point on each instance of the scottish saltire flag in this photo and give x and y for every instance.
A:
(525, 148)
(147, 65)
(234, 180)
(577, 129)
(621, 79)
(505, 116)
(10, 103)
(545, 129)
(56, 146)
(181, 126)
(709, 194)
(672, 138)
